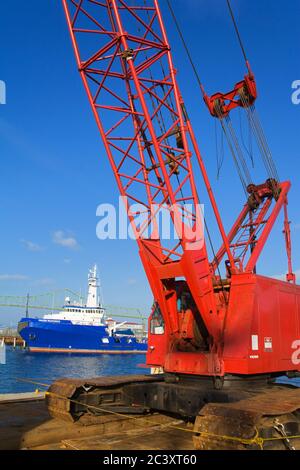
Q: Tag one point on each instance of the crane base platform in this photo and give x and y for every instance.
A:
(244, 414)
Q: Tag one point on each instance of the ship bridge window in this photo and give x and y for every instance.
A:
(22, 325)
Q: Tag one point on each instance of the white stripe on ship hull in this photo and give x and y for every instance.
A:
(84, 351)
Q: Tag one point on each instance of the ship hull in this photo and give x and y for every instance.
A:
(64, 337)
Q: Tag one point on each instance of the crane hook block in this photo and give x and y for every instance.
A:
(243, 95)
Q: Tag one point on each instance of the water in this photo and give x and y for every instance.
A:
(45, 368)
(286, 381)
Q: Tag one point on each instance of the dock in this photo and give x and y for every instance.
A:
(11, 337)
(15, 341)
(26, 424)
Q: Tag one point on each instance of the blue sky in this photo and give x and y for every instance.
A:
(54, 172)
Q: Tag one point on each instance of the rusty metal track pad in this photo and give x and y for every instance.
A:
(64, 392)
(231, 425)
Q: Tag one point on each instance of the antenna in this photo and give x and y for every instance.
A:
(27, 306)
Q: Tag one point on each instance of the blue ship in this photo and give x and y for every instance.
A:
(83, 329)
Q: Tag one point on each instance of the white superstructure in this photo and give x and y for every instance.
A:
(90, 314)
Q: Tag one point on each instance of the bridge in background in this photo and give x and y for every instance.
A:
(32, 305)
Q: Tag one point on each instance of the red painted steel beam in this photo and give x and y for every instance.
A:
(291, 277)
(285, 188)
(221, 104)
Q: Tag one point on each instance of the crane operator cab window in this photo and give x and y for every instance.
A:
(157, 324)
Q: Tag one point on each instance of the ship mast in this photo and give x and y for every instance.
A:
(92, 297)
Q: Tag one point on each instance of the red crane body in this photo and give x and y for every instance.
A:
(201, 324)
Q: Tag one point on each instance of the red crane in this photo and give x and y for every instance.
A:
(204, 323)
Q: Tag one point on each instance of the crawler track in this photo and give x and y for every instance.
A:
(73, 400)
(266, 421)
(262, 417)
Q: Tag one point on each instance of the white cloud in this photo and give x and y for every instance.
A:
(297, 273)
(13, 277)
(282, 277)
(62, 239)
(31, 246)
